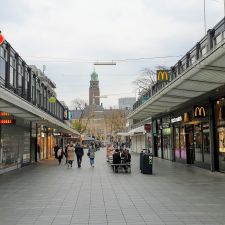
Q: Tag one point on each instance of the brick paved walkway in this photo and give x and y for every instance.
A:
(47, 194)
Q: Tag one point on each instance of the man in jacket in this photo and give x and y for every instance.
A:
(79, 153)
(116, 159)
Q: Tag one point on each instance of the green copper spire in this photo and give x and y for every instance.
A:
(94, 76)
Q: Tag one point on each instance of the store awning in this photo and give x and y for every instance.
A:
(204, 76)
(124, 134)
(15, 105)
(137, 131)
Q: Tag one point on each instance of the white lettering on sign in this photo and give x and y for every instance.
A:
(178, 119)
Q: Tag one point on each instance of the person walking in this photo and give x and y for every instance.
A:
(79, 153)
(60, 155)
(65, 153)
(56, 148)
(70, 154)
(91, 154)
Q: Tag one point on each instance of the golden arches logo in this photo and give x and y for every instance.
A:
(199, 111)
(162, 75)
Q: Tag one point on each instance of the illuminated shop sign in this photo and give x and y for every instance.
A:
(162, 75)
(186, 117)
(52, 99)
(9, 121)
(166, 131)
(199, 111)
(57, 134)
(5, 114)
(177, 119)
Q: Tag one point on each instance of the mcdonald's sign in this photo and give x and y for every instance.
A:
(162, 75)
(199, 111)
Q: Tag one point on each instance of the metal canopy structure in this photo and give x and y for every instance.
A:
(18, 107)
(203, 76)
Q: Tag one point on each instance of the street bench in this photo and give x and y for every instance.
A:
(121, 165)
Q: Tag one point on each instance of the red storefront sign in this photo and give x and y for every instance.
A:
(147, 127)
(8, 121)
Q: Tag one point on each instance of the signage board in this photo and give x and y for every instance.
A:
(52, 99)
(147, 127)
(154, 127)
(144, 98)
(5, 114)
(199, 111)
(177, 119)
(162, 75)
(70, 115)
(66, 114)
(7, 121)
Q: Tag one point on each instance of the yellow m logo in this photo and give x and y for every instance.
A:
(162, 75)
(199, 111)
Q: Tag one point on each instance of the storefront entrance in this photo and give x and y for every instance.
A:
(189, 134)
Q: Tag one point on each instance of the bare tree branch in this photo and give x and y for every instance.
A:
(147, 78)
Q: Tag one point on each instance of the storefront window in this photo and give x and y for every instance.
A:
(220, 123)
(177, 143)
(206, 143)
(198, 153)
(159, 145)
(167, 150)
(15, 144)
(183, 143)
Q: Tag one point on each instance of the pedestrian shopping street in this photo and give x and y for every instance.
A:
(47, 193)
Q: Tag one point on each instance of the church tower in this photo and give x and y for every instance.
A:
(94, 91)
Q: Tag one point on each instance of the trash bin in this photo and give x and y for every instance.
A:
(144, 151)
(147, 163)
(141, 160)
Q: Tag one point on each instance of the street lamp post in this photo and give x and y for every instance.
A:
(224, 8)
(205, 17)
(204, 8)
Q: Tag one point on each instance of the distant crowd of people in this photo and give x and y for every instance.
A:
(74, 149)
(119, 155)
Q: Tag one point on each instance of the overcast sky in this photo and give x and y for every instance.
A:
(69, 35)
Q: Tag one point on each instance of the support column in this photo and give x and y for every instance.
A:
(212, 129)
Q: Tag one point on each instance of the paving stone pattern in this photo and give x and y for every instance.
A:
(175, 194)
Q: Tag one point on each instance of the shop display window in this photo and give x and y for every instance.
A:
(167, 149)
(220, 127)
(198, 152)
(206, 143)
(177, 143)
(183, 143)
(159, 146)
(15, 144)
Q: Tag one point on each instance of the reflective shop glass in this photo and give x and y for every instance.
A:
(180, 143)
(219, 108)
(202, 143)
(15, 144)
(167, 148)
